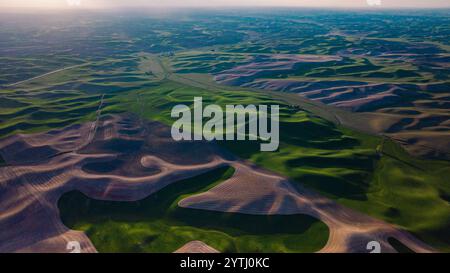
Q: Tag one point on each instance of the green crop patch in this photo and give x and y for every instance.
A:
(364, 109)
(157, 224)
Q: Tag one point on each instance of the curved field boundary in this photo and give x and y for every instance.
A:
(30, 193)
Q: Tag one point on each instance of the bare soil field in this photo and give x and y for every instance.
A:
(30, 189)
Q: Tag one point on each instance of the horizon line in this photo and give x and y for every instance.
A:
(225, 7)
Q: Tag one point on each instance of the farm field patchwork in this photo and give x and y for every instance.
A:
(364, 127)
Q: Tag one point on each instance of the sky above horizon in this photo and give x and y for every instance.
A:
(219, 3)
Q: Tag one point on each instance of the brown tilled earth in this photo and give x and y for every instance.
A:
(123, 158)
(196, 247)
(418, 120)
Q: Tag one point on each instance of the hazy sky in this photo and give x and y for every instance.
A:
(212, 3)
